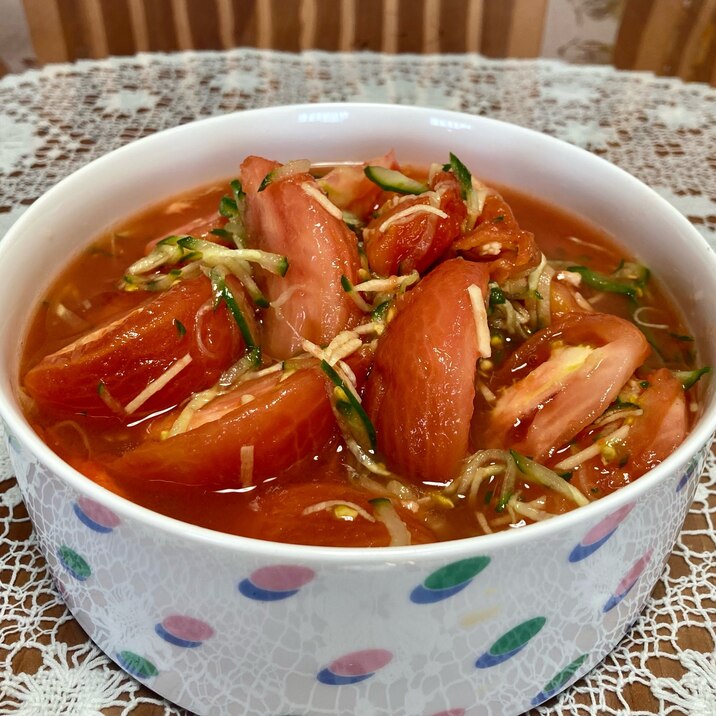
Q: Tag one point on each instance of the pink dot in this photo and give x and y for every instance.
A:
(98, 513)
(634, 573)
(451, 712)
(282, 577)
(608, 524)
(187, 628)
(361, 662)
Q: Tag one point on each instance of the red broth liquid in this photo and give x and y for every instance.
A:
(273, 509)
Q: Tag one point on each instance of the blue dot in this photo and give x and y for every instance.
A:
(89, 522)
(250, 590)
(326, 676)
(582, 551)
(167, 636)
(422, 595)
(487, 660)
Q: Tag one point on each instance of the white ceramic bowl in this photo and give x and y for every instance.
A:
(228, 625)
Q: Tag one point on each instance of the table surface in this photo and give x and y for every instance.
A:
(57, 119)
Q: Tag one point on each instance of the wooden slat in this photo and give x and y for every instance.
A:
(391, 12)
(285, 21)
(161, 28)
(346, 41)
(496, 25)
(329, 18)
(93, 28)
(46, 31)
(681, 28)
(369, 25)
(454, 25)
(658, 34)
(431, 26)
(473, 26)
(139, 25)
(73, 28)
(631, 30)
(307, 21)
(118, 33)
(697, 43)
(526, 28)
(225, 18)
(180, 12)
(245, 29)
(410, 26)
(203, 20)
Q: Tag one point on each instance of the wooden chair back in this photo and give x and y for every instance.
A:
(669, 37)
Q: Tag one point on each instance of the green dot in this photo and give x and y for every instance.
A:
(565, 675)
(517, 637)
(76, 564)
(137, 665)
(456, 573)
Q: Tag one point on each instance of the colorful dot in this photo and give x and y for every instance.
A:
(74, 563)
(136, 665)
(448, 580)
(13, 442)
(451, 712)
(184, 631)
(690, 470)
(354, 667)
(510, 643)
(559, 681)
(628, 581)
(600, 533)
(95, 516)
(270, 584)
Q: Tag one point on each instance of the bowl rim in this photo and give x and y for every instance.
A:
(697, 439)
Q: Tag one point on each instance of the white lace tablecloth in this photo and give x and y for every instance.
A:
(57, 119)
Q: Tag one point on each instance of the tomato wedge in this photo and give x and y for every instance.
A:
(350, 189)
(309, 301)
(663, 425)
(397, 242)
(561, 379)
(421, 391)
(136, 349)
(499, 243)
(285, 421)
(286, 503)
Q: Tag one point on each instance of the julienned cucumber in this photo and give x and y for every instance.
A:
(392, 180)
(349, 406)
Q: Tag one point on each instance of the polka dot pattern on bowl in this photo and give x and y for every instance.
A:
(136, 665)
(559, 681)
(448, 580)
(600, 533)
(354, 667)
(274, 583)
(511, 643)
(628, 581)
(184, 631)
(74, 563)
(95, 516)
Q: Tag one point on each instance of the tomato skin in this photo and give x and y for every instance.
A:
(519, 252)
(420, 393)
(137, 348)
(545, 405)
(285, 422)
(419, 241)
(279, 517)
(320, 249)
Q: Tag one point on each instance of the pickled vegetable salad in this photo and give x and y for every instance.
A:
(400, 321)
